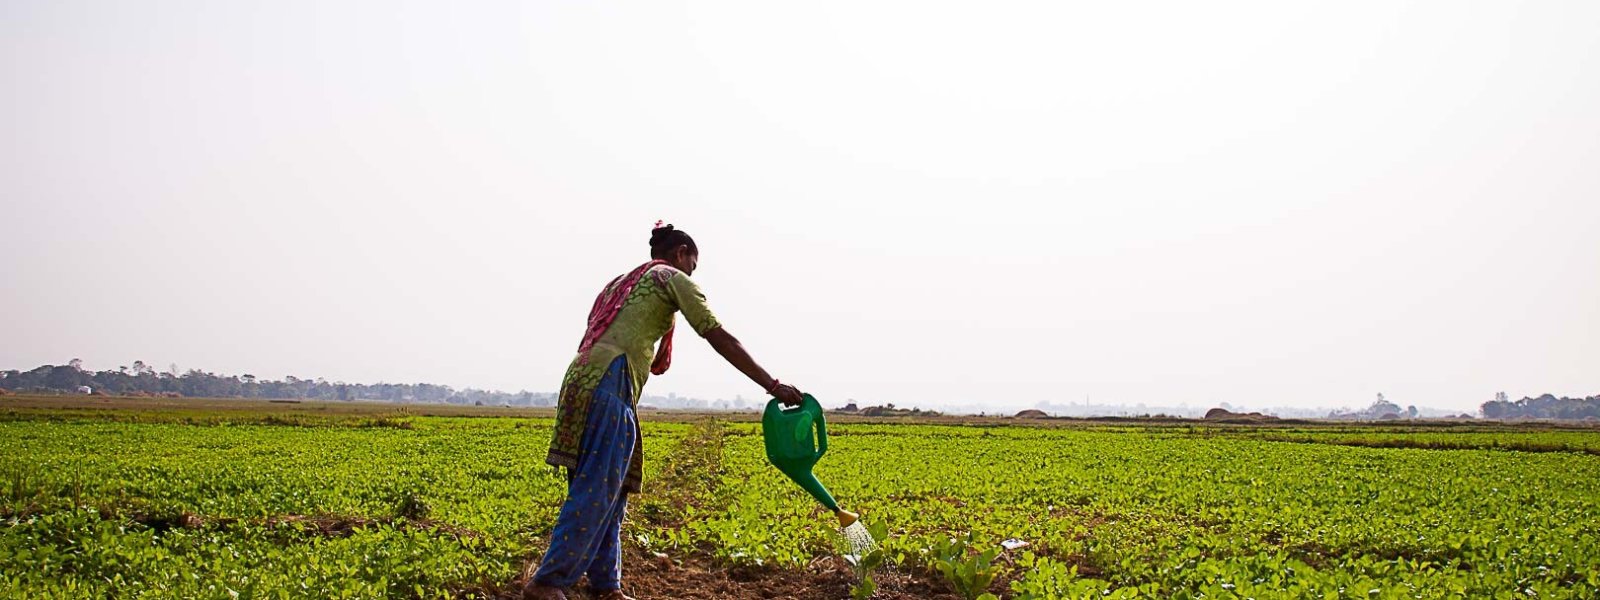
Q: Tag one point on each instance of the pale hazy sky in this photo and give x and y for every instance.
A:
(1266, 203)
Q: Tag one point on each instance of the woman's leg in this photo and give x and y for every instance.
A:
(595, 489)
(605, 572)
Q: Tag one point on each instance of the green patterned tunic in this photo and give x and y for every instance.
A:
(645, 316)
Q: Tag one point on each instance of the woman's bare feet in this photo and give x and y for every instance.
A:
(612, 595)
(534, 591)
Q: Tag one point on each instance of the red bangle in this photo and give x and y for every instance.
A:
(775, 384)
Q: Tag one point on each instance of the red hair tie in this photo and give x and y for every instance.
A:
(658, 223)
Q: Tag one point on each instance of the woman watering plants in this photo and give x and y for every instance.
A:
(596, 433)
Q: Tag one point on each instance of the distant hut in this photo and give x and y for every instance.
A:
(84, 389)
(1032, 413)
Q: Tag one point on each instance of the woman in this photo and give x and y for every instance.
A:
(597, 435)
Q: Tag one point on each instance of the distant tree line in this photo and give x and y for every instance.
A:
(140, 379)
(1543, 407)
(1381, 410)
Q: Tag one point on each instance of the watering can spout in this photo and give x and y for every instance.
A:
(796, 438)
(811, 485)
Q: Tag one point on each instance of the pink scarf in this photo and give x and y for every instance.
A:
(606, 307)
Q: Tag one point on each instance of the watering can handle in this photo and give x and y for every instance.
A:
(822, 433)
(821, 423)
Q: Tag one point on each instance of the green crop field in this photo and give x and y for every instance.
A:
(239, 504)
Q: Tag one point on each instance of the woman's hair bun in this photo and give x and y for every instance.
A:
(660, 235)
(666, 238)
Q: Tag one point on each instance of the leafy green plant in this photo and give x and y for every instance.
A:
(865, 565)
(410, 504)
(865, 587)
(968, 571)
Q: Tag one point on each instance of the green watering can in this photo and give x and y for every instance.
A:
(796, 439)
